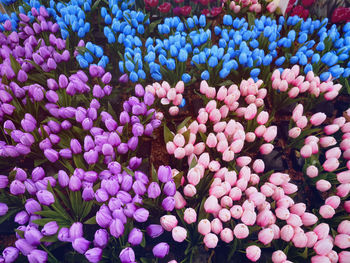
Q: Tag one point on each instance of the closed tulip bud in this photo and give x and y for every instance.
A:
(326, 211)
(300, 240)
(190, 190)
(45, 197)
(94, 255)
(323, 185)
(318, 118)
(81, 245)
(331, 164)
(253, 253)
(179, 233)
(190, 216)
(323, 247)
(10, 254)
(241, 231)
(3, 209)
(312, 171)
(50, 228)
(127, 255)
(160, 250)
(342, 241)
(344, 256)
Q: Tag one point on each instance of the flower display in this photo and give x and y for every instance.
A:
(130, 135)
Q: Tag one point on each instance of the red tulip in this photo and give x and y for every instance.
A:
(205, 12)
(341, 14)
(204, 2)
(186, 10)
(152, 3)
(215, 11)
(179, 1)
(164, 8)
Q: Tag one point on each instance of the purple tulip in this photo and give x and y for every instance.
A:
(95, 104)
(38, 173)
(111, 124)
(154, 230)
(27, 139)
(7, 108)
(8, 124)
(111, 186)
(114, 139)
(75, 146)
(93, 70)
(107, 149)
(63, 178)
(91, 156)
(137, 200)
(114, 203)
(51, 63)
(153, 190)
(114, 167)
(137, 129)
(22, 149)
(133, 143)
(135, 237)
(30, 186)
(101, 238)
(126, 183)
(66, 125)
(119, 214)
(87, 124)
(50, 228)
(45, 197)
(10, 254)
(90, 176)
(122, 148)
(55, 139)
(20, 174)
(38, 59)
(66, 153)
(170, 188)
(52, 155)
(23, 246)
(63, 235)
(32, 206)
(3, 181)
(156, 123)
(21, 217)
(161, 250)
(164, 173)
(141, 215)
(139, 188)
(94, 255)
(17, 187)
(124, 197)
(5, 96)
(37, 256)
(32, 235)
(103, 217)
(106, 78)
(97, 91)
(116, 228)
(148, 98)
(62, 81)
(127, 255)
(3, 209)
(141, 177)
(129, 209)
(124, 78)
(74, 183)
(168, 203)
(76, 230)
(101, 195)
(148, 129)
(139, 90)
(88, 194)
(81, 245)
(79, 172)
(134, 162)
(28, 125)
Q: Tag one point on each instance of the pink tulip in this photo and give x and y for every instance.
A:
(170, 147)
(306, 151)
(323, 247)
(278, 257)
(318, 118)
(320, 259)
(343, 190)
(202, 117)
(344, 177)
(263, 117)
(248, 217)
(271, 7)
(328, 141)
(282, 213)
(168, 222)
(333, 201)
(287, 233)
(270, 133)
(250, 112)
(226, 201)
(226, 235)
(190, 216)
(222, 93)
(266, 148)
(330, 129)
(210, 240)
(326, 211)
(241, 231)
(297, 112)
(344, 227)
(190, 190)
(299, 240)
(333, 256)
(309, 219)
(179, 233)
(180, 87)
(333, 153)
(236, 211)
(216, 226)
(174, 110)
(215, 116)
(211, 140)
(179, 153)
(243, 161)
(312, 171)
(260, 130)
(311, 239)
(253, 253)
(294, 132)
(265, 236)
(323, 185)
(344, 256)
(211, 205)
(302, 122)
(180, 202)
(276, 75)
(250, 136)
(322, 230)
(342, 241)
(330, 164)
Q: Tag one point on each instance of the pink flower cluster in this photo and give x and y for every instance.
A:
(168, 94)
(239, 198)
(237, 5)
(290, 81)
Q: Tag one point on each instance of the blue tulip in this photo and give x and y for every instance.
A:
(315, 58)
(162, 60)
(141, 74)
(227, 20)
(325, 75)
(255, 72)
(183, 103)
(83, 63)
(157, 76)
(243, 58)
(205, 75)
(133, 76)
(254, 43)
(202, 21)
(129, 66)
(186, 77)
(320, 46)
(308, 68)
(280, 61)
(217, 30)
(183, 55)
(121, 66)
(224, 73)
(173, 51)
(171, 64)
(346, 73)
(213, 61)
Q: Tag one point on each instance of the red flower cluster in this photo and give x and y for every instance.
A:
(300, 11)
(307, 3)
(164, 8)
(341, 14)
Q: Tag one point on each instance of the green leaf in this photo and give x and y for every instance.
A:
(43, 221)
(226, 83)
(91, 221)
(48, 213)
(193, 163)
(168, 136)
(177, 179)
(78, 161)
(153, 25)
(233, 249)
(87, 209)
(20, 233)
(9, 214)
(14, 64)
(38, 162)
(154, 174)
(143, 242)
(49, 239)
(183, 123)
(186, 134)
(95, 5)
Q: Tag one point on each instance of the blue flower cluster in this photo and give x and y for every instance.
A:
(94, 53)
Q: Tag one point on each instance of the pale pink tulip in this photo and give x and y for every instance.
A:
(179, 234)
(210, 240)
(241, 231)
(168, 222)
(190, 215)
(253, 253)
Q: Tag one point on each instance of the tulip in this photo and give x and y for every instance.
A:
(135, 237)
(253, 253)
(127, 255)
(37, 256)
(94, 255)
(179, 233)
(161, 250)
(10, 254)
